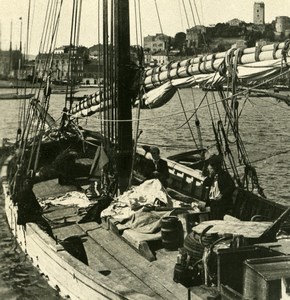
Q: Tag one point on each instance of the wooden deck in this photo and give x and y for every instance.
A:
(113, 257)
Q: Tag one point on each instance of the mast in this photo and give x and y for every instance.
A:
(123, 84)
(20, 47)
(10, 49)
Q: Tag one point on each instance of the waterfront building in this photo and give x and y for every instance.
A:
(96, 52)
(147, 57)
(261, 43)
(282, 23)
(159, 58)
(194, 35)
(156, 42)
(239, 44)
(60, 69)
(235, 22)
(93, 72)
(259, 13)
(10, 62)
(60, 50)
(287, 33)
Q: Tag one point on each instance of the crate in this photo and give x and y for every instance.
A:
(229, 294)
(262, 277)
(230, 264)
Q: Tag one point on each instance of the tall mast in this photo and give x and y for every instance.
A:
(10, 49)
(0, 37)
(124, 128)
(20, 47)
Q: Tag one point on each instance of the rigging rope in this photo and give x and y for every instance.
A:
(197, 122)
(192, 135)
(192, 14)
(181, 19)
(159, 20)
(53, 13)
(185, 12)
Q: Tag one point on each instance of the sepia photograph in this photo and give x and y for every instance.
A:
(144, 149)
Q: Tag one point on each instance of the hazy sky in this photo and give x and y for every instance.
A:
(171, 13)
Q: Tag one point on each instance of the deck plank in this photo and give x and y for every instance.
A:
(161, 282)
(102, 261)
(112, 256)
(51, 188)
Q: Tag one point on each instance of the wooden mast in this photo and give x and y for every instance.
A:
(123, 101)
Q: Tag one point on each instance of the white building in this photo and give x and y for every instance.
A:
(234, 22)
(155, 43)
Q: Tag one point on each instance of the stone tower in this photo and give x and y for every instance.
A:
(259, 13)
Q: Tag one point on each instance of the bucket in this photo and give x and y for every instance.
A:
(171, 233)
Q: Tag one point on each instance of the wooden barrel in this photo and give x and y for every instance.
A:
(171, 233)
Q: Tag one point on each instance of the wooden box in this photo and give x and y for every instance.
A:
(262, 277)
(230, 264)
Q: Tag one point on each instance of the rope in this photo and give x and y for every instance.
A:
(197, 14)
(157, 11)
(187, 119)
(159, 20)
(197, 122)
(192, 14)
(53, 14)
(181, 19)
(185, 12)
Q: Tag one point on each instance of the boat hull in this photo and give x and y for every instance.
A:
(72, 278)
(64, 273)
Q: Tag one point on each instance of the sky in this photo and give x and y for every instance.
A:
(171, 12)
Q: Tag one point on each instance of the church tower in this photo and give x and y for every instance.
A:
(259, 13)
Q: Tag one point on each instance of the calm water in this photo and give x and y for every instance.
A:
(264, 126)
(19, 280)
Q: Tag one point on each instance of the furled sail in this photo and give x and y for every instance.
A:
(253, 62)
(160, 83)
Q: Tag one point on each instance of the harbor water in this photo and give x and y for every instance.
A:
(264, 126)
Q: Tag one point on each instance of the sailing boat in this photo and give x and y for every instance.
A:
(124, 245)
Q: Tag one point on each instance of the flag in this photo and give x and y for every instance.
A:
(100, 160)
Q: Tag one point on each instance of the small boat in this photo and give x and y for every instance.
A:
(281, 87)
(15, 96)
(62, 91)
(90, 85)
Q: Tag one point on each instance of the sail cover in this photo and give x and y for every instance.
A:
(161, 83)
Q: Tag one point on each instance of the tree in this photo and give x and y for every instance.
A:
(84, 53)
(252, 37)
(179, 41)
(269, 35)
